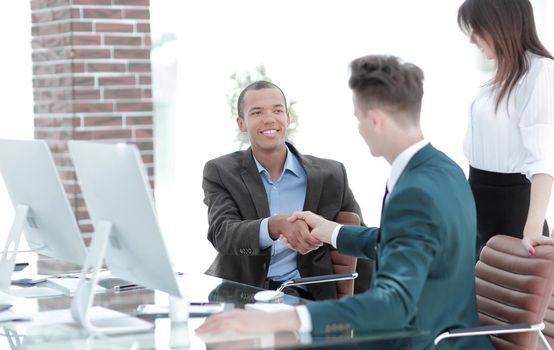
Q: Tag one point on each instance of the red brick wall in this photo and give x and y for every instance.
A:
(91, 79)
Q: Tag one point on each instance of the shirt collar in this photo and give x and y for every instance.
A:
(400, 162)
(291, 163)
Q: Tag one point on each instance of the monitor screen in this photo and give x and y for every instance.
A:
(31, 179)
(116, 190)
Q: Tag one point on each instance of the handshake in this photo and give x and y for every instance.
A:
(302, 231)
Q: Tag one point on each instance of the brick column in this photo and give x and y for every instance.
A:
(91, 80)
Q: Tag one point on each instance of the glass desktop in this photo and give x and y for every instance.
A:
(165, 335)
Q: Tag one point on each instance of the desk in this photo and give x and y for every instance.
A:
(201, 288)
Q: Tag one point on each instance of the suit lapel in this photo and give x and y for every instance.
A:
(315, 181)
(417, 159)
(254, 185)
(420, 157)
(305, 263)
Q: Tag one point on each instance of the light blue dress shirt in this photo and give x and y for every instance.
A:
(286, 195)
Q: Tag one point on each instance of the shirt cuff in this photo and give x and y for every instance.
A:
(265, 239)
(538, 140)
(305, 319)
(335, 234)
(539, 167)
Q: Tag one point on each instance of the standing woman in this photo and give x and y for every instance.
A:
(510, 138)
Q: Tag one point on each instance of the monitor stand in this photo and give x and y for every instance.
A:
(82, 301)
(7, 261)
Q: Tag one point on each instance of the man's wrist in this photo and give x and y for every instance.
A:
(273, 226)
(265, 238)
(303, 318)
(335, 235)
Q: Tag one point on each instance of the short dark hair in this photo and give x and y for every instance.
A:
(510, 25)
(386, 82)
(257, 85)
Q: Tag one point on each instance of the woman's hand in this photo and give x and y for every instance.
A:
(530, 242)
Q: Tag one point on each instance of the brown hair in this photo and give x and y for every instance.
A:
(509, 27)
(385, 81)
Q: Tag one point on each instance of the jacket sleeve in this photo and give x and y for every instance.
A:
(357, 241)
(228, 232)
(409, 242)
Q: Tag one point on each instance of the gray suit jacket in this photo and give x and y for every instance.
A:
(237, 203)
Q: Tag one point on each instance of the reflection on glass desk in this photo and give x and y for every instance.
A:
(49, 334)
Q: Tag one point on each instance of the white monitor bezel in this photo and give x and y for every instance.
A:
(116, 190)
(31, 178)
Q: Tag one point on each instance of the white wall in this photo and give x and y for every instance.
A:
(16, 95)
(306, 47)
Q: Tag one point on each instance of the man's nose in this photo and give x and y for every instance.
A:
(268, 118)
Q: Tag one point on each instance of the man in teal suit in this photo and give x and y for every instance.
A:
(424, 248)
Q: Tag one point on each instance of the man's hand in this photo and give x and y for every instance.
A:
(296, 234)
(250, 322)
(320, 228)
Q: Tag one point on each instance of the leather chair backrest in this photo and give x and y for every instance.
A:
(548, 325)
(513, 287)
(549, 320)
(344, 263)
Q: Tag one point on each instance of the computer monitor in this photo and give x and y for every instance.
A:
(120, 202)
(42, 209)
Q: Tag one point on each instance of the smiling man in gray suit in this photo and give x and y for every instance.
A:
(251, 193)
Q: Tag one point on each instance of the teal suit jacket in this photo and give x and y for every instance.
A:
(425, 256)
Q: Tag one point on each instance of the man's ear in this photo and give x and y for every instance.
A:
(289, 118)
(375, 115)
(241, 124)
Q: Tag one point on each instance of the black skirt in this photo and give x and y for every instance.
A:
(502, 202)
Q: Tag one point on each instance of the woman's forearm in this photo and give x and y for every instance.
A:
(541, 188)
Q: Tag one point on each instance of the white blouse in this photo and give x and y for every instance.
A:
(519, 137)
